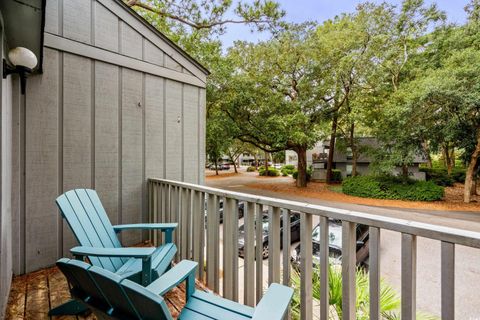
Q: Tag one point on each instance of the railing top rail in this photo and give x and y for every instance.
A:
(431, 231)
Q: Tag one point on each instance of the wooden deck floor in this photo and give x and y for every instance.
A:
(34, 294)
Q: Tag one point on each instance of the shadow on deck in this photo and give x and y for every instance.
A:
(32, 295)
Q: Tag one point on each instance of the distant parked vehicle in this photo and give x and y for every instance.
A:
(335, 244)
(241, 210)
(294, 229)
(220, 166)
(278, 166)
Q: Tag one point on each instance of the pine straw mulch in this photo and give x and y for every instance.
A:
(452, 201)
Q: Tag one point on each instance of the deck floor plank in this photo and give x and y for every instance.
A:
(37, 305)
(16, 303)
(33, 295)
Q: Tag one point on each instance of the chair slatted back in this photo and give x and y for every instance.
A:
(84, 213)
(82, 283)
(128, 298)
(149, 305)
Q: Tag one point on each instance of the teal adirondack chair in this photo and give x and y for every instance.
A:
(84, 213)
(113, 297)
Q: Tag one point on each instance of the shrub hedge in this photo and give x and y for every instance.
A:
(336, 175)
(440, 176)
(251, 169)
(389, 187)
(309, 174)
(287, 170)
(272, 172)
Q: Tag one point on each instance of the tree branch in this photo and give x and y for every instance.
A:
(193, 24)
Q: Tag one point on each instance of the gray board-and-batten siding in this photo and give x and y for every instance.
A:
(116, 104)
(5, 181)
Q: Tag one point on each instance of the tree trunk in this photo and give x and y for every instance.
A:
(405, 171)
(266, 162)
(447, 159)
(452, 157)
(216, 167)
(235, 167)
(256, 161)
(302, 167)
(354, 163)
(467, 193)
(426, 149)
(331, 149)
(354, 150)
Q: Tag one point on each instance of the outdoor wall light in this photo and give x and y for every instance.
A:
(23, 61)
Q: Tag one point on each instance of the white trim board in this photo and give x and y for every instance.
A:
(86, 50)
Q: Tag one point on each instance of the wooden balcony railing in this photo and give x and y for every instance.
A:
(196, 209)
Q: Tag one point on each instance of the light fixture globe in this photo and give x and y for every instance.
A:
(22, 57)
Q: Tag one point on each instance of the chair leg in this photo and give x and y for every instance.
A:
(71, 308)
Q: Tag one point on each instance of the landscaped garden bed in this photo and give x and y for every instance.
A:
(390, 187)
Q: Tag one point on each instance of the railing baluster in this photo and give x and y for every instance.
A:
(230, 249)
(306, 312)
(197, 231)
(183, 224)
(168, 203)
(324, 265)
(189, 224)
(162, 214)
(150, 209)
(258, 251)
(448, 280)
(409, 275)
(201, 215)
(154, 213)
(249, 254)
(374, 272)
(176, 218)
(286, 247)
(213, 257)
(274, 245)
(234, 205)
(349, 266)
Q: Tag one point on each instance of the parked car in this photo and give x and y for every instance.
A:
(335, 244)
(225, 166)
(220, 166)
(278, 166)
(241, 209)
(294, 235)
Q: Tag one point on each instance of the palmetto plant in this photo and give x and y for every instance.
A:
(389, 299)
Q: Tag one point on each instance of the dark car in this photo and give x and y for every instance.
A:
(294, 231)
(225, 166)
(241, 209)
(335, 244)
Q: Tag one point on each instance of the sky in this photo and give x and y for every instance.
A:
(321, 10)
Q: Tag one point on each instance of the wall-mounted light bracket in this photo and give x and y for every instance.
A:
(23, 72)
(23, 61)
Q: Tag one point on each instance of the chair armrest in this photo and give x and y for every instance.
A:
(164, 227)
(146, 226)
(184, 270)
(274, 303)
(140, 253)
